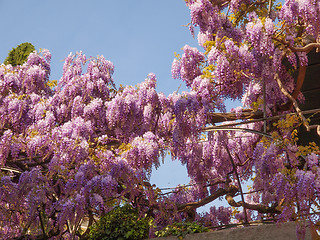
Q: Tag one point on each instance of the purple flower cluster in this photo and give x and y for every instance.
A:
(143, 152)
(204, 15)
(66, 141)
(77, 150)
(188, 67)
(216, 216)
(259, 34)
(304, 12)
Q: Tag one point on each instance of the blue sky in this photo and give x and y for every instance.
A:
(139, 37)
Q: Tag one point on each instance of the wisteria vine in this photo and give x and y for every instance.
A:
(73, 150)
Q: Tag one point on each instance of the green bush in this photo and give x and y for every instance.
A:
(18, 55)
(181, 229)
(120, 223)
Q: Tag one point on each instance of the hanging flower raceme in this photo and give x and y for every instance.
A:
(188, 67)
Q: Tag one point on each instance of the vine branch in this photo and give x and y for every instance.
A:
(294, 102)
(234, 166)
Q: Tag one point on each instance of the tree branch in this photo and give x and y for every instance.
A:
(238, 179)
(294, 102)
(219, 193)
(218, 128)
(222, 117)
(41, 223)
(91, 219)
(257, 207)
(269, 8)
(300, 80)
(262, 119)
(307, 48)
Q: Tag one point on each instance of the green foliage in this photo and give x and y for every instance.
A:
(181, 229)
(18, 55)
(119, 224)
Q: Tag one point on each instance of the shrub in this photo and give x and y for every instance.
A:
(120, 223)
(181, 229)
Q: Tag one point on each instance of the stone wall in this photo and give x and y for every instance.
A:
(285, 231)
